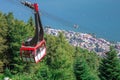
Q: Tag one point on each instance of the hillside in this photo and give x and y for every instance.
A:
(85, 41)
(62, 62)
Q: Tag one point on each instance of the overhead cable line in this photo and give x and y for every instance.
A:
(61, 21)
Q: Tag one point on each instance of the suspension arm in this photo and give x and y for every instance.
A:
(38, 25)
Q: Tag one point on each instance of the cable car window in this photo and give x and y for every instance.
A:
(32, 56)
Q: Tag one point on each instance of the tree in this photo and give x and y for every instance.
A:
(110, 66)
(59, 58)
(7, 73)
(3, 45)
(82, 69)
(18, 32)
(31, 22)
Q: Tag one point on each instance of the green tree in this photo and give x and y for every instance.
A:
(30, 22)
(110, 66)
(59, 58)
(18, 31)
(3, 34)
(82, 68)
(7, 73)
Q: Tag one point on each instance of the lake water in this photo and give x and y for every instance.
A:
(101, 17)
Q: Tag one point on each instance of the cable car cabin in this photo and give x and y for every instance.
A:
(34, 49)
(33, 54)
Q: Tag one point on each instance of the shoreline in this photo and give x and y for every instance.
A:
(85, 40)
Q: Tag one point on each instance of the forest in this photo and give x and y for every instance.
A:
(62, 62)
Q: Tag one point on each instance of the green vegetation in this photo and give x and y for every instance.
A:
(110, 66)
(86, 65)
(62, 62)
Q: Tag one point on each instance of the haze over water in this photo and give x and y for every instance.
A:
(101, 17)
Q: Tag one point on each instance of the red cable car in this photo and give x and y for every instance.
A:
(33, 54)
(34, 49)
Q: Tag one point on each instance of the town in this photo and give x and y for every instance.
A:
(86, 41)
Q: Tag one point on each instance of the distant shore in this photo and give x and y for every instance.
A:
(85, 40)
